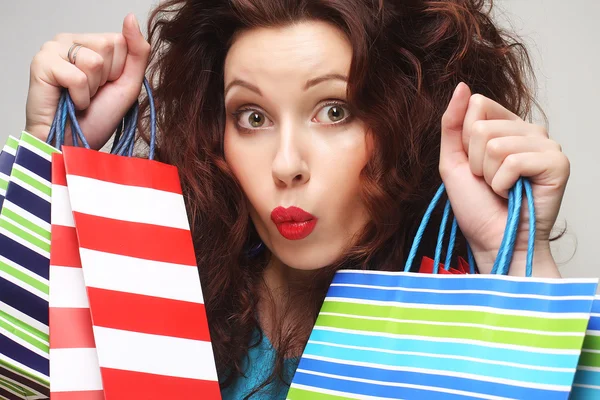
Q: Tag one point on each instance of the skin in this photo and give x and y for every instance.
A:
(298, 156)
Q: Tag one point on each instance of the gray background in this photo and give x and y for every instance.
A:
(561, 36)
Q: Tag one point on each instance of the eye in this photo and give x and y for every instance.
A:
(252, 119)
(333, 113)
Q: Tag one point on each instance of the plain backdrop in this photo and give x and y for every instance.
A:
(561, 36)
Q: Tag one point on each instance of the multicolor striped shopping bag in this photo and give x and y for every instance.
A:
(24, 268)
(7, 159)
(403, 335)
(587, 378)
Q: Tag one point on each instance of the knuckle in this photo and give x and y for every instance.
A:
(47, 46)
(494, 148)
(477, 100)
(95, 62)
(479, 128)
(557, 146)
(512, 162)
(119, 39)
(104, 45)
(80, 80)
(542, 130)
(495, 185)
(36, 62)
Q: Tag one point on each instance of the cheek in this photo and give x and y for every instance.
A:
(249, 163)
(240, 156)
(344, 185)
(337, 187)
(229, 148)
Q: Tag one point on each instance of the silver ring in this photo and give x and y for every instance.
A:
(72, 54)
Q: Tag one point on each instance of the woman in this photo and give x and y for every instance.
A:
(309, 135)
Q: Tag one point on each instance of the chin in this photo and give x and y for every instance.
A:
(307, 258)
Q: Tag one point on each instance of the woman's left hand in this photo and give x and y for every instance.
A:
(485, 148)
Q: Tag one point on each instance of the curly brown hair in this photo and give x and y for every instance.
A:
(408, 56)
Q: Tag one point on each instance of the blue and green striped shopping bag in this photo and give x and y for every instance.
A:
(24, 269)
(404, 335)
(7, 159)
(587, 378)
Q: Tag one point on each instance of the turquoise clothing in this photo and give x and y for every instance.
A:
(258, 366)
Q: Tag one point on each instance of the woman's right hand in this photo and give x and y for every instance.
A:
(104, 82)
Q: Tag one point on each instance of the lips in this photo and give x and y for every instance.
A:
(293, 222)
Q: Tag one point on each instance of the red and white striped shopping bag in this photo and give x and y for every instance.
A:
(74, 368)
(139, 268)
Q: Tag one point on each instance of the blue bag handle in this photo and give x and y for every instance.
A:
(505, 253)
(125, 136)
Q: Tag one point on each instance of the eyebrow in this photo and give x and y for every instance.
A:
(239, 82)
(320, 79)
(310, 83)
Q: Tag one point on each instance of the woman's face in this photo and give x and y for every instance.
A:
(292, 142)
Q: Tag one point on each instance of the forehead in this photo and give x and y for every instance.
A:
(300, 50)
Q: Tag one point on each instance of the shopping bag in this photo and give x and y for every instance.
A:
(24, 268)
(587, 378)
(404, 335)
(139, 269)
(427, 267)
(7, 159)
(74, 368)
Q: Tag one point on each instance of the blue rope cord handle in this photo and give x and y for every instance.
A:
(505, 253)
(125, 137)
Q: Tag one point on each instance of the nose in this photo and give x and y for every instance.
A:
(290, 168)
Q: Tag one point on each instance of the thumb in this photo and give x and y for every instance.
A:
(452, 152)
(138, 49)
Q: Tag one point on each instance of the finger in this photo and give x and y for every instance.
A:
(112, 47)
(499, 148)
(119, 57)
(483, 108)
(546, 168)
(64, 74)
(91, 63)
(451, 149)
(138, 49)
(87, 60)
(102, 44)
(482, 131)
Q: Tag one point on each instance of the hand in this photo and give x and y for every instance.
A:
(104, 83)
(484, 150)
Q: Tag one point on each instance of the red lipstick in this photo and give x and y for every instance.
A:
(293, 223)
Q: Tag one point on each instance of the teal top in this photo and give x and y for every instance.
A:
(258, 366)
